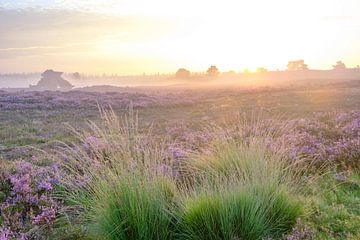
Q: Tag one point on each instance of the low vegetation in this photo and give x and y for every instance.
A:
(259, 177)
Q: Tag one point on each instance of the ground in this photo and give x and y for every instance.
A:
(41, 120)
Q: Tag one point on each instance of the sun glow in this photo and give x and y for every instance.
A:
(245, 34)
(234, 35)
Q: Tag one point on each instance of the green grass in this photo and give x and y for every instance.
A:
(235, 191)
(130, 210)
(335, 208)
(245, 192)
(222, 188)
(240, 214)
(120, 208)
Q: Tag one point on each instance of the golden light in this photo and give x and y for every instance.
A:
(231, 34)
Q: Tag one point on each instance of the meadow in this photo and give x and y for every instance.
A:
(181, 163)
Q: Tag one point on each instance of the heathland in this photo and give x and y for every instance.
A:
(181, 163)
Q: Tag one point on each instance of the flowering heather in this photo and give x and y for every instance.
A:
(184, 140)
(300, 232)
(331, 139)
(77, 99)
(28, 209)
(92, 142)
(327, 139)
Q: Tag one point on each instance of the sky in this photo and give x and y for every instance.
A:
(140, 36)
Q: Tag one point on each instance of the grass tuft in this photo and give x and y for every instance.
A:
(130, 209)
(232, 190)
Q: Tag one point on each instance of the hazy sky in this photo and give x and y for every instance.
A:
(136, 36)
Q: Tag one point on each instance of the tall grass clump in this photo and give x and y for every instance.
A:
(130, 209)
(122, 183)
(238, 214)
(117, 179)
(240, 190)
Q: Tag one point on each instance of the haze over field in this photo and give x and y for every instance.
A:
(135, 37)
(180, 119)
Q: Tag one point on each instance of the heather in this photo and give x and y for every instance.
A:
(180, 166)
(28, 209)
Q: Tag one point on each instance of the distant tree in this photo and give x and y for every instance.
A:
(76, 75)
(182, 73)
(297, 65)
(52, 81)
(261, 70)
(212, 71)
(339, 66)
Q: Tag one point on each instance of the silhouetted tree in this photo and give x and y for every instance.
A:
(339, 66)
(297, 65)
(213, 71)
(182, 73)
(52, 81)
(76, 75)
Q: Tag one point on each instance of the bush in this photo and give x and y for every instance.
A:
(28, 208)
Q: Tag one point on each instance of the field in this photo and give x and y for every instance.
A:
(172, 163)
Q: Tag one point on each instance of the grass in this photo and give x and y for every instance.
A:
(245, 192)
(130, 210)
(115, 187)
(212, 105)
(235, 191)
(242, 214)
(334, 208)
(122, 193)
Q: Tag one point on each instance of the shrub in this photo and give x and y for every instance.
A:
(28, 209)
(331, 139)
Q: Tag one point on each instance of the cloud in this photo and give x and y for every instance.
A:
(30, 31)
(70, 45)
(14, 52)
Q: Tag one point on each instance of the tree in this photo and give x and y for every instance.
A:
(52, 81)
(76, 75)
(182, 73)
(297, 65)
(339, 66)
(212, 71)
